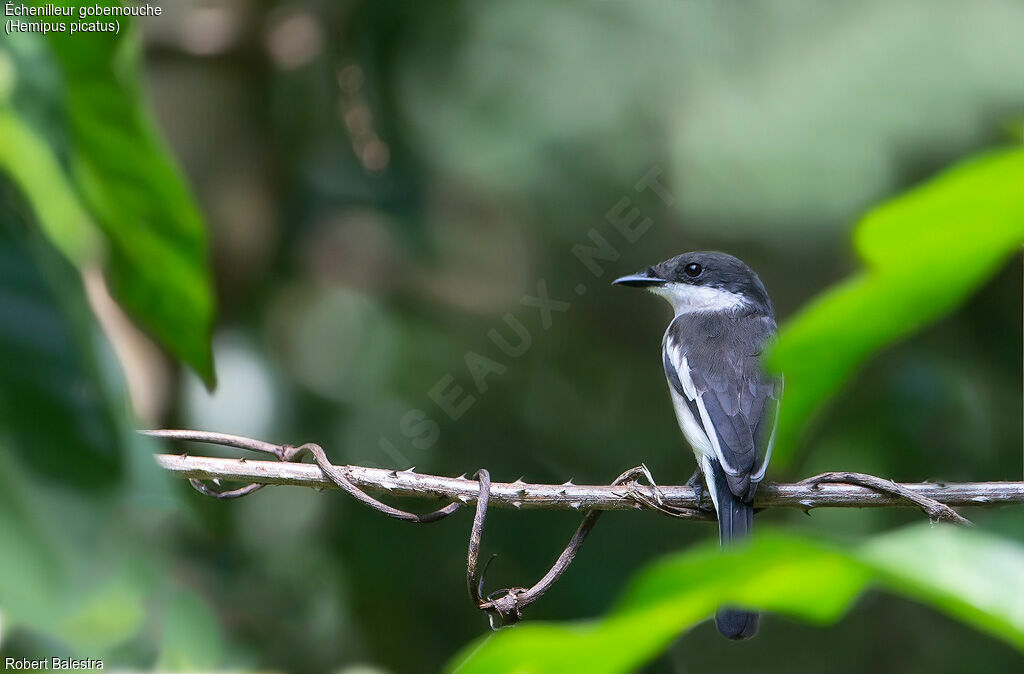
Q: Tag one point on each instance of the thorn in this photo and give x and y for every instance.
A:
(387, 485)
(517, 504)
(410, 469)
(568, 483)
(216, 481)
(461, 477)
(462, 497)
(807, 503)
(392, 473)
(241, 459)
(575, 505)
(520, 480)
(980, 499)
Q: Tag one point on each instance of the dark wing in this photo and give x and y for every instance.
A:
(714, 363)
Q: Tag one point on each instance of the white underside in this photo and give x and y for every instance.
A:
(703, 452)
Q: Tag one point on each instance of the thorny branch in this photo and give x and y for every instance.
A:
(936, 511)
(289, 453)
(504, 607)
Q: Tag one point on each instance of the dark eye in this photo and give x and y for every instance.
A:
(693, 270)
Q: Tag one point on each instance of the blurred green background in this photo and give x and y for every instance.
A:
(382, 183)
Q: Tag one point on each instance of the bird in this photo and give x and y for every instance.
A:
(725, 401)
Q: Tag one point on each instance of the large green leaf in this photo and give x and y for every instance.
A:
(79, 144)
(56, 407)
(62, 416)
(973, 576)
(64, 421)
(157, 265)
(31, 165)
(925, 252)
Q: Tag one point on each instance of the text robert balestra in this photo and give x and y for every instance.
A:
(55, 663)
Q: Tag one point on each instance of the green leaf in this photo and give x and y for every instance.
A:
(64, 576)
(32, 167)
(103, 616)
(925, 252)
(973, 576)
(191, 639)
(157, 266)
(56, 407)
(66, 196)
(55, 578)
(63, 421)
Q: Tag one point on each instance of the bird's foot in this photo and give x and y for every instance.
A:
(697, 482)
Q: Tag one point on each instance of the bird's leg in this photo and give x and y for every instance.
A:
(697, 482)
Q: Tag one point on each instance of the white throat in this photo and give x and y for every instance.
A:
(689, 299)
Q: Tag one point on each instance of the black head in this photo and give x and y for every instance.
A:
(704, 280)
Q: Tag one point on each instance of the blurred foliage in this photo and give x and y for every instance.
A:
(384, 183)
(83, 182)
(83, 92)
(926, 251)
(28, 162)
(80, 572)
(725, 95)
(157, 267)
(56, 400)
(972, 575)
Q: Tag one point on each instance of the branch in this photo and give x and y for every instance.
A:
(935, 509)
(568, 496)
(335, 474)
(504, 607)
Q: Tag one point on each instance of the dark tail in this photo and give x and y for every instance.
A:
(735, 522)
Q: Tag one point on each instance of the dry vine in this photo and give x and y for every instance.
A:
(504, 607)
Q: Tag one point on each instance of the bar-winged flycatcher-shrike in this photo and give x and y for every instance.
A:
(725, 402)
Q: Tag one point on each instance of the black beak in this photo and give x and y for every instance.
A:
(641, 280)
